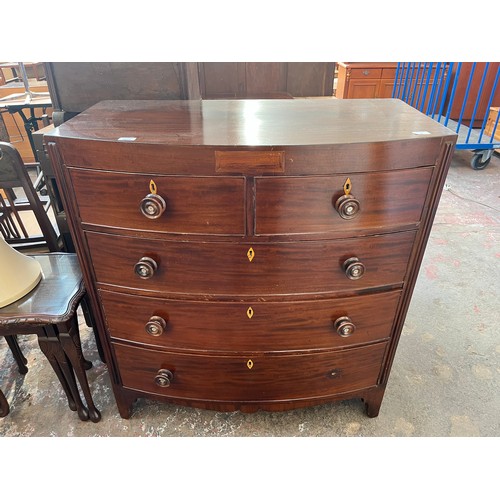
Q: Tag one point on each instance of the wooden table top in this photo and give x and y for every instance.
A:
(252, 122)
(54, 299)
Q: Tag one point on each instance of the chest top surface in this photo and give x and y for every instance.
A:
(251, 123)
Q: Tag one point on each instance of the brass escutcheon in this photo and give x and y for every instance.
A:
(250, 254)
(347, 186)
(249, 313)
(250, 364)
(152, 186)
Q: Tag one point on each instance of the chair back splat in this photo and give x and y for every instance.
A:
(13, 174)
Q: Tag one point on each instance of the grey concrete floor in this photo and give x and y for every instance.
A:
(444, 380)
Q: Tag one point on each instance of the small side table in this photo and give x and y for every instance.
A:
(49, 311)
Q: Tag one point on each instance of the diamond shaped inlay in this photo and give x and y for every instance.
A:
(250, 254)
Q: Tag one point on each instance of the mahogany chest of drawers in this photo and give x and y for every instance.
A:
(250, 254)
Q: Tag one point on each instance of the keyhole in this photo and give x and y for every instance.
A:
(250, 254)
(347, 186)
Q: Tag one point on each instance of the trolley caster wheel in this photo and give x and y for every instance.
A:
(479, 162)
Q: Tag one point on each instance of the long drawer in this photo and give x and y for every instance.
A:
(302, 205)
(243, 326)
(261, 269)
(193, 205)
(250, 377)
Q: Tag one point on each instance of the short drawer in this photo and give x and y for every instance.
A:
(249, 377)
(239, 269)
(257, 326)
(365, 73)
(300, 205)
(389, 73)
(193, 205)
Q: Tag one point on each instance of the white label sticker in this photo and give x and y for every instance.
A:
(421, 132)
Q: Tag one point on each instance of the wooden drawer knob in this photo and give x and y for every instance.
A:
(344, 326)
(156, 326)
(347, 206)
(152, 206)
(146, 268)
(353, 268)
(164, 378)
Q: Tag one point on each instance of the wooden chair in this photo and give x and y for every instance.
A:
(13, 174)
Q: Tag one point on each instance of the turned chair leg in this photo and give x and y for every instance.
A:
(4, 405)
(51, 347)
(89, 320)
(70, 341)
(21, 361)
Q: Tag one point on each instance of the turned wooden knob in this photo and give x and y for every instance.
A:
(344, 326)
(353, 268)
(163, 378)
(145, 268)
(347, 206)
(152, 206)
(156, 326)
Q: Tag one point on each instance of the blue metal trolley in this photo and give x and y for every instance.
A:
(462, 96)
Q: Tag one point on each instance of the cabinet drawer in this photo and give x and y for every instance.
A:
(389, 73)
(194, 205)
(288, 205)
(273, 268)
(256, 326)
(249, 377)
(365, 72)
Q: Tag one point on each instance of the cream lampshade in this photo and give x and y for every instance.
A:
(19, 274)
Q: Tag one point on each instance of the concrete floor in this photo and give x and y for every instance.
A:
(445, 377)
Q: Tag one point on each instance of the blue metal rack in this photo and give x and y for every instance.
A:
(432, 89)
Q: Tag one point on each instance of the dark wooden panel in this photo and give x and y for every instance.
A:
(75, 86)
(195, 205)
(305, 79)
(224, 268)
(297, 205)
(272, 377)
(272, 326)
(265, 77)
(220, 79)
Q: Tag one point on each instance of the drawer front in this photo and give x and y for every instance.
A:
(389, 73)
(256, 326)
(249, 377)
(365, 73)
(299, 205)
(194, 205)
(237, 269)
